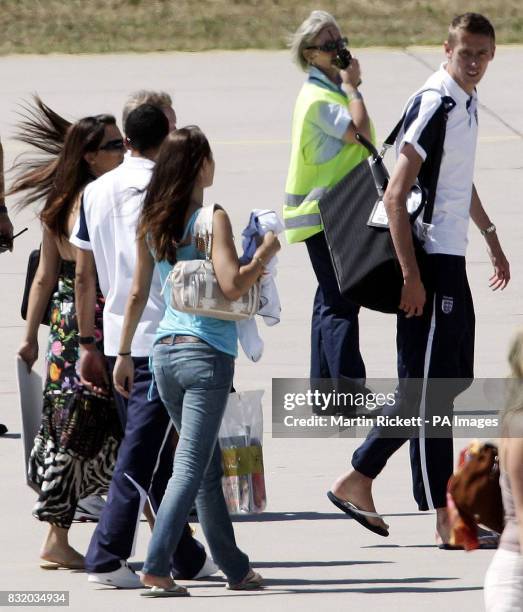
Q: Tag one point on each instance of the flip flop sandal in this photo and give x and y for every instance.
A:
(487, 540)
(54, 565)
(252, 581)
(173, 591)
(358, 515)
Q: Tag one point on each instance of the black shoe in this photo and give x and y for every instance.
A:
(3, 429)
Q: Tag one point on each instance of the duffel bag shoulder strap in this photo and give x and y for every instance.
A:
(437, 153)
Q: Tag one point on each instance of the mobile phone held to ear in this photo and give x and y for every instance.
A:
(343, 57)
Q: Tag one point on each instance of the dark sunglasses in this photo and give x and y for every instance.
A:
(113, 145)
(331, 45)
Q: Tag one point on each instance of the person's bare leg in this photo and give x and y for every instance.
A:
(148, 513)
(442, 526)
(357, 489)
(56, 548)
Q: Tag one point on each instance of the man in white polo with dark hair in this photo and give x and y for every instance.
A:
(435, 328)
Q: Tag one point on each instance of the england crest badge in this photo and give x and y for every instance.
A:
(447, 304)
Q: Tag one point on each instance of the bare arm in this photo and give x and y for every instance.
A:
(85, 292)
(501, 276)
(403, 177)
(93, 365)
(143, 273)
(514, 467)
(41, 289)
(351, 78)
(236, 280)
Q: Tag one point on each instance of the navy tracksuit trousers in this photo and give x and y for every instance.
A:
(143, 469)
(437, 345)
(335, 339)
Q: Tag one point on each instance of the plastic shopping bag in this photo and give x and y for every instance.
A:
(240, 437)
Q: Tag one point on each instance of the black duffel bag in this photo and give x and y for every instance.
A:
(361, 248)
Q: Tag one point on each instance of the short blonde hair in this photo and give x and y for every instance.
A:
(307, 32)
(160, 99)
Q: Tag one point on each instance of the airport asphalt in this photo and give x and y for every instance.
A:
(311, 555)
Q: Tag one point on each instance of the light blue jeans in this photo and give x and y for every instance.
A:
(194, 381)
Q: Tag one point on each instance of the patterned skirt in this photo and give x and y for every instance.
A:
(75, 449)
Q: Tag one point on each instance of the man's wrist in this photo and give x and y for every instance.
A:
(491, 229)
(87, 341)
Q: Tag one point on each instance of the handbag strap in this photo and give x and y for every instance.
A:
(203, 228)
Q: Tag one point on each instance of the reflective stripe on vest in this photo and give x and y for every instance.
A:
(296, 200)
(303, 221)
(307, 182)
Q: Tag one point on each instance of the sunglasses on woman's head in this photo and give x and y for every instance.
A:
(331, 45)
(113, 145)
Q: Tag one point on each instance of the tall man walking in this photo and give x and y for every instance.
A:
(435, 329)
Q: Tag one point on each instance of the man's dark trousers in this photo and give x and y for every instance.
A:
(335, 339)
(435, 364)
(145, 455)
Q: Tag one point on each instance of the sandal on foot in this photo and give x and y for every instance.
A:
(252, 581)
(54, 565)
(176, 590)
(358, 515)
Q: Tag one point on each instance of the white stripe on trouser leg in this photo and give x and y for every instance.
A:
(422, 448)
(143, 493)
(168, 432)
(143, 497)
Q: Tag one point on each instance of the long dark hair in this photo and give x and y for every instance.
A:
(60, 174)
(169, 193)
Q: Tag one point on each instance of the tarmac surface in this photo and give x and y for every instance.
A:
(311, 555)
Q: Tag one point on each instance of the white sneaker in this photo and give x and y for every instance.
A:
(89, 508)
(208, 569)
(122, 578)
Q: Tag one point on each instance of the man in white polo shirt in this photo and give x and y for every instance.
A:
(105, 234)
(435, 330)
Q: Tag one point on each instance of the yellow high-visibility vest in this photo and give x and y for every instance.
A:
(307, 182)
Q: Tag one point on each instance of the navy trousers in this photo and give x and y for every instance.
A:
(143, 469)
(437, 345)
(335, 340)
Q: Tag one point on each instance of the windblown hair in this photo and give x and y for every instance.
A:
(169, 193)
(473, 23)
(59, 175)
(512, 420)
(160, 99)
(306, 33)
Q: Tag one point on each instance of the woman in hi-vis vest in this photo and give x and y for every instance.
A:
(329, 112)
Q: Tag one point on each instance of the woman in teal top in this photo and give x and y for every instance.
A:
(193, 357)
(222, 335)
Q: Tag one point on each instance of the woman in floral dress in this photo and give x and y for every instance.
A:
(75, 449)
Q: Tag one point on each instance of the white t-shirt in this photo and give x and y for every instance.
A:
(106, 226)
(448, 232)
